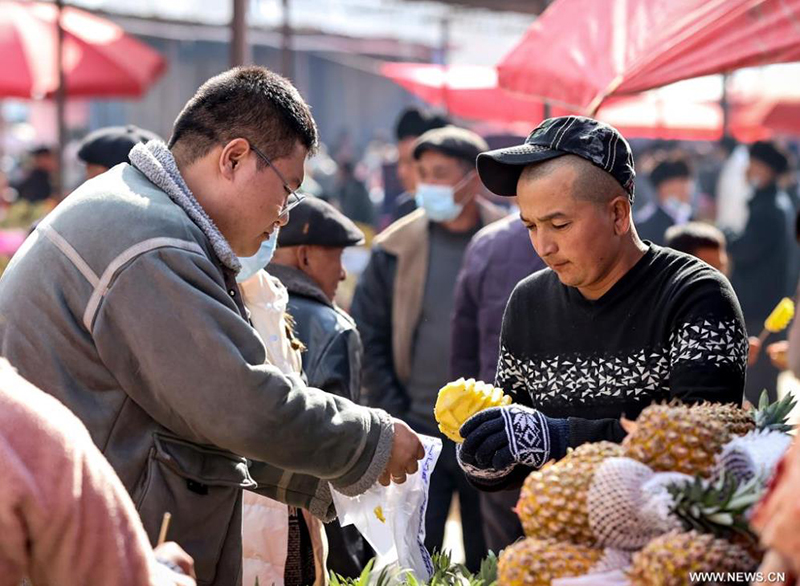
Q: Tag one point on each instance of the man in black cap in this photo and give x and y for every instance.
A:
(404, 302)
(411, 124)
(308, 262)
(672, 180)
(37, 185)
(763, 255)
(610, 326)
(107, 147)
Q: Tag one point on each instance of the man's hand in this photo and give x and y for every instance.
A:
(172, 555)
(778, 354)
(499, 438)
(753, 350)
(407, 450)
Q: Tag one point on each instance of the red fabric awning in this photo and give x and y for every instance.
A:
(471, 92)
(465, 91)
(579, 52)
(100, 59)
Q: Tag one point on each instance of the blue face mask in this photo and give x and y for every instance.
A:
(439, 201)
(252, 264)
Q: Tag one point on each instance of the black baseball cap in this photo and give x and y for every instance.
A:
(597, 142)
(317, 223)
(452, 141)
(771, 154)
(110, 146)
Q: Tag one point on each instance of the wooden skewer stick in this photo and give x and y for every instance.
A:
(162, 535)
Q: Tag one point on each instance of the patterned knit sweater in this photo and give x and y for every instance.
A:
(670, 328)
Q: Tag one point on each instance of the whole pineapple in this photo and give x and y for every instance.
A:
(553, 500)
(676, 438)
(669, 559)
(736, 420)
(534, 562)
(461, 399)
(739, 421)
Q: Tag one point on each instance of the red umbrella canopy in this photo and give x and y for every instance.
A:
(99, 58)
(581, 51)
(686, 111)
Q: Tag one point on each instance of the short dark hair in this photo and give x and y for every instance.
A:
(244, 102)
(591, 182)
(670, 166)
(691, 237)
(412, 123)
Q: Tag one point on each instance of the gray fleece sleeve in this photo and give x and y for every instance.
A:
(175, 341)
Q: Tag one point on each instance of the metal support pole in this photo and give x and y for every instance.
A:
(726, 107)
(239, 53)
(444, 58)
(61, 100)
(287, 61)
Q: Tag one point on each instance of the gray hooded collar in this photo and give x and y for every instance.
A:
(298, 283)
(156, 162)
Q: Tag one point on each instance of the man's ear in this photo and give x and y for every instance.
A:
(302, 256)
(232, 156)
(621, 214)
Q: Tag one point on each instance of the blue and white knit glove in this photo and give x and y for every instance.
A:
(498, 439)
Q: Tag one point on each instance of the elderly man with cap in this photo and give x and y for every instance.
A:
(404, 302)
(308, 262)
(610, 326)
(107, 147)
(764, 254)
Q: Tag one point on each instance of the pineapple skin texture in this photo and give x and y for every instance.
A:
(534, 562)
(553, 500)
(461, 399)
(735, 419)
(677, 439)
(668, 559)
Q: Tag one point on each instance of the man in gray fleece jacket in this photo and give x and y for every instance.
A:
(123, 304)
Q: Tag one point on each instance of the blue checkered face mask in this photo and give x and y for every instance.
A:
(439, 201)
(252, 264)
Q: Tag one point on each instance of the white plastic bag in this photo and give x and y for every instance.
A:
(392, 518)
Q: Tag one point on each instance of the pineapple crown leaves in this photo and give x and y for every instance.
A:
(363, 580)
(487, 574)
(719, 507)
(773, 416)
(445, 573)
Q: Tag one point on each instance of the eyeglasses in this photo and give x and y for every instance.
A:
(295, 198)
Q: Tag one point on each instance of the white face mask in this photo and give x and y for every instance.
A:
(252, 264)
(439, 201)
(680, 210)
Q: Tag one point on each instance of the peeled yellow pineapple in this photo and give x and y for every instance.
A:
(460, 400)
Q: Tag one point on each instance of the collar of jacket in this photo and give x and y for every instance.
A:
(765, 193)
(155, 161)
(298, 283)
(407, 239)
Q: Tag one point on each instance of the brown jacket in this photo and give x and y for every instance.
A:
(388, 304)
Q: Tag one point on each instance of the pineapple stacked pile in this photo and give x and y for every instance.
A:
(672, 499)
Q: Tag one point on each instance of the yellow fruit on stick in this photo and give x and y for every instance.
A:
(461, 399)
(780, 316)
